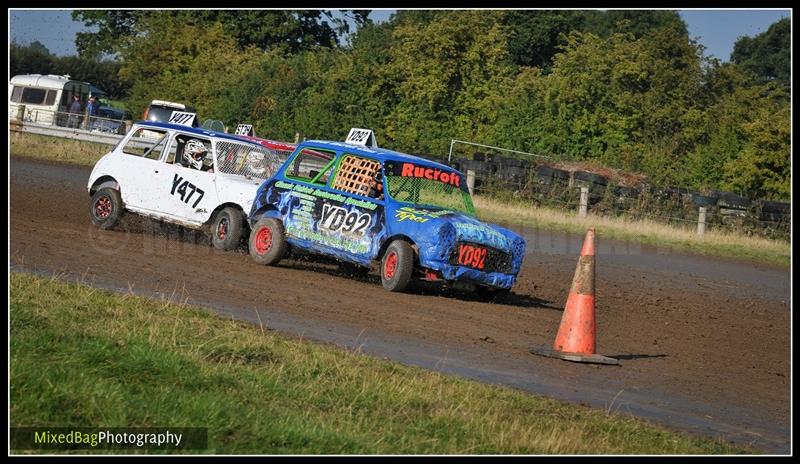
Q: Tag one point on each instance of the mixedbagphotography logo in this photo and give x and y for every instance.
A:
(72, 438)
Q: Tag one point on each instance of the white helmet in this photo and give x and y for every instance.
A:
(195, 153)
(255, 163)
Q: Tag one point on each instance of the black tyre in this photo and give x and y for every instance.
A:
(267, 241)
(591, 177)
(106, 208)
(227, 229)
(396, 266)
(704, 200)
(776, 207)
(733, 201)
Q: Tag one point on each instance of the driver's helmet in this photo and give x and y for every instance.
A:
(194, 153)
(255, 163)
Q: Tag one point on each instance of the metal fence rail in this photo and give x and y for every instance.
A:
(67, 125)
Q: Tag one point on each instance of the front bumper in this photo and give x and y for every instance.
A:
(466, 274)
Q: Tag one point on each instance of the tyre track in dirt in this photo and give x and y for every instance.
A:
(704, 342)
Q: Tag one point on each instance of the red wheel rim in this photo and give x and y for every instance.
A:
(222, 229)
(263, 240)
(103, 207)
(390, 265)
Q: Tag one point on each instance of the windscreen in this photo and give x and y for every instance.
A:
(422, 185)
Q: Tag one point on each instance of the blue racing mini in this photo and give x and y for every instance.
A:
(366, 206)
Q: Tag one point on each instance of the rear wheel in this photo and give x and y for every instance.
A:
(227, 229)
(396, 266)
(267, 241)
(106, 208)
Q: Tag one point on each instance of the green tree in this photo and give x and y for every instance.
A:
(536, 35)
(178, 62)
(761, 165)
(636, 22)
(767, 55)
(29, 60)
(114, 27)
(448, 78)
(293, 30)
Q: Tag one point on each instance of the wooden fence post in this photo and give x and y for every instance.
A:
(584, 202)
(471, 181)
(701, 221)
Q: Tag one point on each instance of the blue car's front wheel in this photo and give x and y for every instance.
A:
(397, 265)
(267, 241)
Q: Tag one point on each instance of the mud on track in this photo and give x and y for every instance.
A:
(704, 343)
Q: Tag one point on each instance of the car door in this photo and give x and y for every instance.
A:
(356, 224)
(186, 194)
(136, 165)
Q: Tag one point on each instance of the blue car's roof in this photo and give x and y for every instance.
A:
(380, 154)
(195, 130)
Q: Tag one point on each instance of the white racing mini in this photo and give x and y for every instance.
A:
(183, 175)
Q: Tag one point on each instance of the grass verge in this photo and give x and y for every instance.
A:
(57, 149)
(85, 357)
(756, 249)
(666, 237)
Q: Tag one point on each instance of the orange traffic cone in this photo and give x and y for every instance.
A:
(576, 334)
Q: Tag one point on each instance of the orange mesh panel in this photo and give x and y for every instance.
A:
(355, 173)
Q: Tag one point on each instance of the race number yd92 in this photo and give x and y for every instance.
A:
(472, 256)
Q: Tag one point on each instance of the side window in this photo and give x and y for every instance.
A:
(51, 97)
(191, 152)
(244, 159)
(360, 176)
(16, 94)
(311, 165)
(147, 143)
(33, 96)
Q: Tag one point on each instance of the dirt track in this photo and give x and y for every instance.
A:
(704, 343)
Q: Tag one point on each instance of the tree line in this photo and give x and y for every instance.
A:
(627, 89)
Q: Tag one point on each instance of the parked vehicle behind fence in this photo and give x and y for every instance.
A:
(46, 98)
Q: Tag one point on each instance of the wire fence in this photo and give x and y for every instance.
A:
(556, 189)
(242, 159)
(81, 121)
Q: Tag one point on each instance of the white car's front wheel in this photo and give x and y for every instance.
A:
(227, 229)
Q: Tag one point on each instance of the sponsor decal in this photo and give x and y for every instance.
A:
(328, 218)
(407, 213)
(481, 233)
(423, 172)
